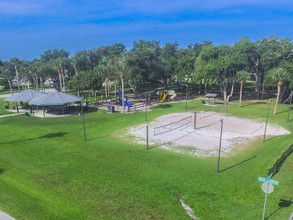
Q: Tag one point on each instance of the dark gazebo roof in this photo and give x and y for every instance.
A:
(55, 99)
(25, 96)
(211, 95)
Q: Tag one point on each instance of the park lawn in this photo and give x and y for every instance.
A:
(47, 171)
(3, 110)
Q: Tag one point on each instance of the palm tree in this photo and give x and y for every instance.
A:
(280, 75)
(16, 63)
(242, 76)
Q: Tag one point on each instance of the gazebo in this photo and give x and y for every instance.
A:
(58, 99)
(55, 99)
(25, 96)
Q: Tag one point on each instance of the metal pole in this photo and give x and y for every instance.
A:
(147, 137)
(84, 133)
(17, 108)
(146, 106)
(288, 118)
(186, 98)
(265, 203)
(220, 145)
(264, 136)
(194, 123)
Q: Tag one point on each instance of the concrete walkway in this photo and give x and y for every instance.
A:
(4, 216)
(2, 116)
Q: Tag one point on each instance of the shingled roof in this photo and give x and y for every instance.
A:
(25, 96)
(55, 98)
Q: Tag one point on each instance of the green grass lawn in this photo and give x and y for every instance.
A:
(47, 171)
(3, 110)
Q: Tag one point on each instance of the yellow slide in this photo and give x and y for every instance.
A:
(165, 94)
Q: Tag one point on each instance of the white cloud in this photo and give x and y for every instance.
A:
(25, 8)
(164, 6)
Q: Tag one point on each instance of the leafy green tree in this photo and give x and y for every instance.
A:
(80, 61)
(7, 72)
(168, 58)
(185, 63)
(59, 63)
(146, 56)
(215, 64)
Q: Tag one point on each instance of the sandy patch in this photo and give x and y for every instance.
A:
(204, 140)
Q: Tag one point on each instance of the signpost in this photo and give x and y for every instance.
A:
(268, 188)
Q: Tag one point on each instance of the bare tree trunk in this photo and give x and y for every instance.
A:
(280, 84)
(241, 90)
(41, 84)
(10, 86)
(75, 70)
(96, 99)
(60, 81)
(35, 82)
(17, 78)
(105, 89)
(231, 93)
(63, 79)
(23, 84)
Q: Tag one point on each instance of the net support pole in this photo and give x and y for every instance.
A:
(289, 112)
(186, 97)
(146, 106)
(147, 137)
(220, 146)
(194, 122)
(84, 132)
(268, 111)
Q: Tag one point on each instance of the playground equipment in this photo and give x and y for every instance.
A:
(166, 93)
(119, 100)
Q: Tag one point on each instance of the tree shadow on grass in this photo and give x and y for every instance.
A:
(164, 106)
(103, 136)
(154, 146)
(283, 203)
(2, 171)
(270, 138)
(50, 135)
(237, 164)
(282, 112)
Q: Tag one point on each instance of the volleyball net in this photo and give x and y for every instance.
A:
(172, 126)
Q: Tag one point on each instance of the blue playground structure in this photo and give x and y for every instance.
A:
(119, 99)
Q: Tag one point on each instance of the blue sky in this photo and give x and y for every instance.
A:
(29, 27)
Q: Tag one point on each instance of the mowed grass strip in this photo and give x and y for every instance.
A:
(47, 171)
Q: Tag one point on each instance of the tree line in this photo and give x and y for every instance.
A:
(269, 62)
